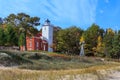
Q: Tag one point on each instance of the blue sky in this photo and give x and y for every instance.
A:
(65, 13)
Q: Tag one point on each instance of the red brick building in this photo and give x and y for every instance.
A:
(41, 41)
(35, 43)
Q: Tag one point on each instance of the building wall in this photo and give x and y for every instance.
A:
(30, 45)
(45, 46)
(47, 34)
(50, 38)
(35, 43)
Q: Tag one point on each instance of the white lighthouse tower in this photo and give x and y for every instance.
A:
(47, 34)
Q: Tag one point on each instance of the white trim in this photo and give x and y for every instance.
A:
(44, 47)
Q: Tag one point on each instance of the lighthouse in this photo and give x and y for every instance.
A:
(47, 34)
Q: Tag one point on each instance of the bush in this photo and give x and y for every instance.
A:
(37, 56)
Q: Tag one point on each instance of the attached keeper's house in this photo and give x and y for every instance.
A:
(41, 41)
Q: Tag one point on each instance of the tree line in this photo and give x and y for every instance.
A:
(98, 42)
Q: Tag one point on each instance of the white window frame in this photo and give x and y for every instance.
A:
(37, 44)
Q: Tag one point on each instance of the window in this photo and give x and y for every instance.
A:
(30, 43)
(37, 44)
(44, 48)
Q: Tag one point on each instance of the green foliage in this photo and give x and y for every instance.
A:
(56, 29)
(8, 58)
(23, 23)
(37, 56)
(100, 47)
(91, 36)
(108, 39)
(116, 46)
(68, 40)
(11, 36)
(2, 37)
(16, 27)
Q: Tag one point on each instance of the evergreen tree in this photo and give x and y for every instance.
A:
(108, 39)
(2, 37)
(11, 36)
(25, 22)
(116, 46)
(90, 37)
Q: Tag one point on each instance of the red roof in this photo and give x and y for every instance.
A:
(44, 41)
(38, 35)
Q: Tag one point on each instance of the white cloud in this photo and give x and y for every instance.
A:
(59, 11)
(73, 11)
(88, 10)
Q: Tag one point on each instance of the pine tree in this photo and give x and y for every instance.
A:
(116, 46)
(24, 21)
(11, 36)
(2, 37)
(108, 39)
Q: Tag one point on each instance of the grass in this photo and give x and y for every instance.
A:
(52, 66)
(50, 61)
(18, 74)
(59, 62)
